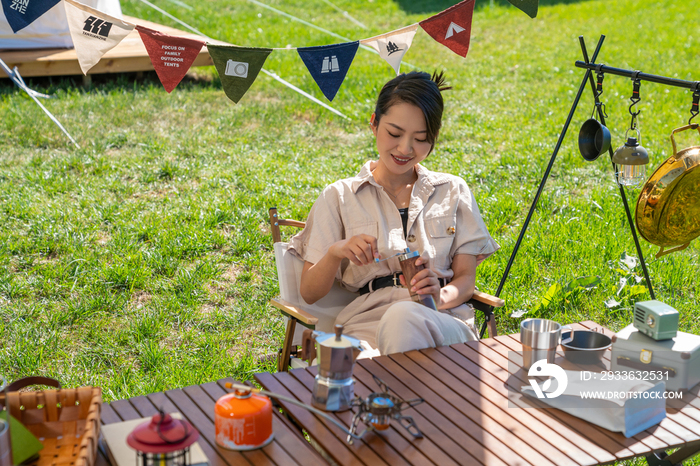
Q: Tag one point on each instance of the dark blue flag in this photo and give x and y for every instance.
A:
(328, 64)
(22, 13)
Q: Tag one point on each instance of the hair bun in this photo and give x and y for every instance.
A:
(439, 80)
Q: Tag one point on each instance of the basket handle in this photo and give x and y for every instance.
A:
(27, 382)
(678, 130)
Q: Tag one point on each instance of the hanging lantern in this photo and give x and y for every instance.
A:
(631, 161)
(163, 441)
(243, 420)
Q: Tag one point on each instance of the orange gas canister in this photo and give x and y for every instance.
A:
(243, 420)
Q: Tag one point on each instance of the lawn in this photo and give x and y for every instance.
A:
(143, 261)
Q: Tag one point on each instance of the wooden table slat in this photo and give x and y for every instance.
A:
(499, 383)
(287, 436)
(206, 428)
(396, 451)
(206, 404)
(144, 406)
(360, 448)
(448, 438)
(215, 456)
(476, 412)
(125, 410)
(445, 453)
(408, 387)
(500, 398)
(108, 415)
(340, 452)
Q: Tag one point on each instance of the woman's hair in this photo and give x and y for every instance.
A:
(417, 88)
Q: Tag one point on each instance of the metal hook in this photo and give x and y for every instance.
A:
(696, 99)
(635, 99)
(599, 91)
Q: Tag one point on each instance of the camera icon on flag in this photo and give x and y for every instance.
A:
(237, 69)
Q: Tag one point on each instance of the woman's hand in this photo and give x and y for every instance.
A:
(359, 249)
(424, 282)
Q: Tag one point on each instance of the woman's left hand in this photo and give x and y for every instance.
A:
(424, 282)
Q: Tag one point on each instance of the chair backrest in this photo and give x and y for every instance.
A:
(289, 269)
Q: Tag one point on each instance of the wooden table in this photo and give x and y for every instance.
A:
(466, 418)
(196, 404)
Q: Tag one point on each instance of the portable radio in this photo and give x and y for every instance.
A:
(655, 319)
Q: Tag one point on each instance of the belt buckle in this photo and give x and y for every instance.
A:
(395, 278)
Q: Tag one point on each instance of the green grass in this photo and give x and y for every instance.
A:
(143, 261)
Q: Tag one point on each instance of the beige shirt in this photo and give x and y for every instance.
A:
(443, 220)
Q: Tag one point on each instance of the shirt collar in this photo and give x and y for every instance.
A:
(425, 176)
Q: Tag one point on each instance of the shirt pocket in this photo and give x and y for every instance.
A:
(358, 275)
(441, 232)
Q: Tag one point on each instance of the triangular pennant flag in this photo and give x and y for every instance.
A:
(528, 6)
(452, 27)
(171, 56)
(237, 67)
(22, 13)
(393, 45)
(94, 33)
(329, 64)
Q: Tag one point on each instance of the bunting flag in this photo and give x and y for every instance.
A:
(171, 56)
(94, 33)
(22, 13)
(329, 64)
(393, 45)
(452, 27)
(237, 67)
(528, 6)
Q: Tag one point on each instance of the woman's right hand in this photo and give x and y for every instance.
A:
(359, 249)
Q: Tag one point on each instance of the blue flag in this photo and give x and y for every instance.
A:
(22, 13)
(328, 64)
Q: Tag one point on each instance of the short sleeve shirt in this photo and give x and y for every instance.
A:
(443, 220)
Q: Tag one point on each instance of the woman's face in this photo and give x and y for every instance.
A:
(401, 138)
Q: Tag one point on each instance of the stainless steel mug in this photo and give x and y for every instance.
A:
(540, 338)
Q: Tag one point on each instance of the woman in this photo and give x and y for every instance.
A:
(392, 204)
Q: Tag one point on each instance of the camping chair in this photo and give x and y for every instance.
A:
(321, 315)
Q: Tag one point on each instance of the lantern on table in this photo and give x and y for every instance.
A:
(163, 441)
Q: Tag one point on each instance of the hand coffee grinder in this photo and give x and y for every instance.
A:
(334, 386)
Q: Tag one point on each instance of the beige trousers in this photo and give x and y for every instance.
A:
(387, 321)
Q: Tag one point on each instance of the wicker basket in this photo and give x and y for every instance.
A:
(66, 421)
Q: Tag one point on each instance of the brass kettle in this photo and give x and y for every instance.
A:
(668, 209)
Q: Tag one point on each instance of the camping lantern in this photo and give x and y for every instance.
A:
(630, 161)
(163, 441)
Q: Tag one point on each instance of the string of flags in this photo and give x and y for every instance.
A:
(94, 33)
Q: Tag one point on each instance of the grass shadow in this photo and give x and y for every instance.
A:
(436, 6)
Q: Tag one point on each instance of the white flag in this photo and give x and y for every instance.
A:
(393, 45)
(94, 33)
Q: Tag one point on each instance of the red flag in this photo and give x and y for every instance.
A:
(453, 27)
(171, 56)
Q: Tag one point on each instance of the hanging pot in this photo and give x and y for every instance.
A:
(668, 209)
(593, 139)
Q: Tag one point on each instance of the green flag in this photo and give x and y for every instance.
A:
(237, 67)
(528, 6)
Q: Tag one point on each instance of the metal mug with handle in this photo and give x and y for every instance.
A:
(540, 338)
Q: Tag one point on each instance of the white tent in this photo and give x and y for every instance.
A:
(51, 29)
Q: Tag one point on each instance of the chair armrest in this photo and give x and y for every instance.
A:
(488, 299)
(294, 312)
